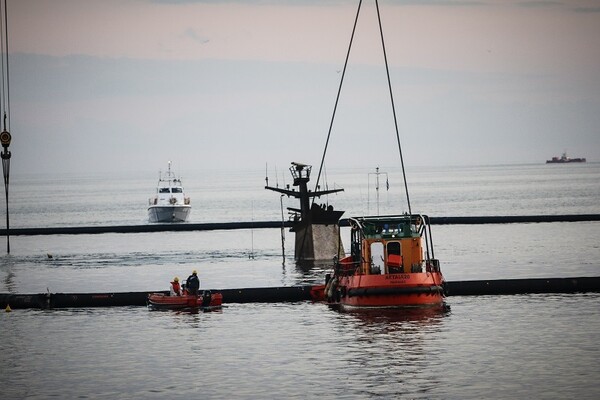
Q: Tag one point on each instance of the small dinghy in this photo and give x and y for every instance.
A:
(205, 301)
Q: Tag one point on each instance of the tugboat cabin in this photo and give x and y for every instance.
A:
(390, 245)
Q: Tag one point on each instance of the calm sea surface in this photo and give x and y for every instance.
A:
(537, 346)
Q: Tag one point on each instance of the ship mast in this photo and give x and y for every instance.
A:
(301, 174)
(313, 225)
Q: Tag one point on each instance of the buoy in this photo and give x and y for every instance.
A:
(8, 309)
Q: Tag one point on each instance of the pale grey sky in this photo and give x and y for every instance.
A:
(112, 85)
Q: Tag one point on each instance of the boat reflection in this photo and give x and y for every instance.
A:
(418, 315)
(311, 267)
(186, 311)
(311, 272)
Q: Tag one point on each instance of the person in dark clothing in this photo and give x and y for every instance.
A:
(192, 283)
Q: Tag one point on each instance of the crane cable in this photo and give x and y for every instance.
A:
(338, 96)
(387, 70)
(5, 137)
(5, 74)
(391, 99)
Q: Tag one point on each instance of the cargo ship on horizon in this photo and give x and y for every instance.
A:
(564, 159)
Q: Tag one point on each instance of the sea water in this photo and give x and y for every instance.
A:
(540, 346)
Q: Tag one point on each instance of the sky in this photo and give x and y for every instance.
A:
(107, 86)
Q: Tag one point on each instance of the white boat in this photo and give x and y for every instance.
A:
(170, 203)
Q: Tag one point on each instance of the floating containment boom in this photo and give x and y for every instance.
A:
(298, 293)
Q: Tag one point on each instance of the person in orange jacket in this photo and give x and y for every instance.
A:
(175, 287)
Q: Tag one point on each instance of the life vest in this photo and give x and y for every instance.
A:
(176, 287)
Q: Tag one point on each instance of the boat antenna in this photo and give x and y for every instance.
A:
(377, 186)
(387, 70)
(267, 174)
(5, 137)
(251, 255)
(338, 96)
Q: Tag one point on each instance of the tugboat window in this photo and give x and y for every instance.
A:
(377, 264)
(394, 258)
(163, 190)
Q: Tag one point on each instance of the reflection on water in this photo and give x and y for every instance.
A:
(389, 351)
(313, 271)
(536, 344)
(424, 316)
(185, 311)
(7, 268)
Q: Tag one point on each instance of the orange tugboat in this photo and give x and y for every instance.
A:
(391, 264)
(205, 301)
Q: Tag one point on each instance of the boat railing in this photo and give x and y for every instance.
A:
(425, 232)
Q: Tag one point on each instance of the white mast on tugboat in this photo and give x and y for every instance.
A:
(387, 185)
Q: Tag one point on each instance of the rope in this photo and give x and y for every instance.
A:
(5, 75)
(338, 96)
(387, 70)
(391, 99)
(3, 72)
(333, 115)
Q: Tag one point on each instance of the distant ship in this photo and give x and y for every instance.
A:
(564, 159)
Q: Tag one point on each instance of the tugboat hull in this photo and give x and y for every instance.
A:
(431, 296)
(392, 290)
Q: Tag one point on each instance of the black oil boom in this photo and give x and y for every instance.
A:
(297, 293)
(186, 227)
